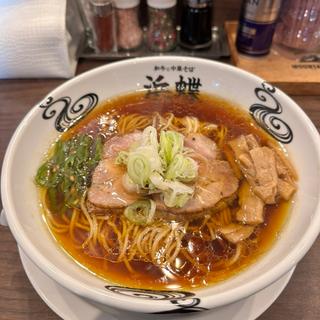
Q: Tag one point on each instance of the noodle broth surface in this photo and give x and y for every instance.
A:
(216, 260)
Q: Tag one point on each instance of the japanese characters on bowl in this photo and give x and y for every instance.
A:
(185, 83)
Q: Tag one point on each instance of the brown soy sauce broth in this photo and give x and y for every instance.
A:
(205, 107)
(103, 120)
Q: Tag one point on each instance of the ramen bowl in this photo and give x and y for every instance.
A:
(269, 107)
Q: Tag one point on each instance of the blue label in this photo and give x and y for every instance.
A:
(255, 38)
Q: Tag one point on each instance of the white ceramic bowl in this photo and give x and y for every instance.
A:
(273, 110)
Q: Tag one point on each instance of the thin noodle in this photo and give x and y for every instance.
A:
(127, 264)
(236, 256)
(65, 218)
(73, 220)
(114, 238)
(86, 213)
(157, 240)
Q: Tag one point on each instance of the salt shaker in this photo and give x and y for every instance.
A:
(196, 24)
(103, 20)
(129, 33)
(161, 34)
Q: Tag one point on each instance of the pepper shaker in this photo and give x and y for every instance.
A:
(161, 34)
(129, 33)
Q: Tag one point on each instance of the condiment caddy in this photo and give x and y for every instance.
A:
(160, 37)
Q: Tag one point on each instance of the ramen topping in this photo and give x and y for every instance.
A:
(107, 190)
(266, 172)
(216, 179)
(236, 232)
(251, 206)
(202, 145)
(266, 179)
(286, 189)
(181, 196)
(219, 182)
(114, 145)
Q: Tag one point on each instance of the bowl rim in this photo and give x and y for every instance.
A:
(145, 305)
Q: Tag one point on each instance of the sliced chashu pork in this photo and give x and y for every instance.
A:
(216, 181)
(264, 169)
(120, 143)
(286, 174)
(106, 190)
(202, 145)
(219, 182)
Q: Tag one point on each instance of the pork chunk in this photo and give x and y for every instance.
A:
(239, 146)
(251, 206)
(252, 142)
(266, 179)
(267, 170)
(286, 189)
(235, 233)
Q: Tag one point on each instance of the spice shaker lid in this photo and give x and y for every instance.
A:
(198, 3)
(161, 4)
(101, 7)
(126, 4)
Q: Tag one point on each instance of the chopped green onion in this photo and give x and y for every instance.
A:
(152, 154)
(129, 185)
(122, 157)
(150, 137)
(182, 168)
(175, 193)
(154, 167)
(172, 199)
(171, 143)
(141, 212)
(139, 168)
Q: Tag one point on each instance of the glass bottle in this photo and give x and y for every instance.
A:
(161, 34)
(103, 21)
(196, 24)
(299, 25)
(129, 33)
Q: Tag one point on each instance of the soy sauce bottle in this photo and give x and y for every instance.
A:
(196, 23)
